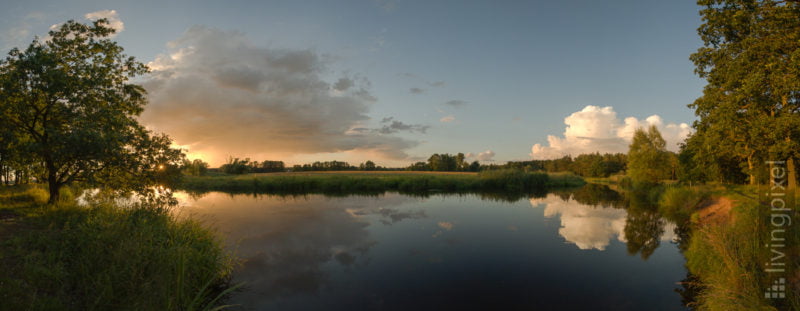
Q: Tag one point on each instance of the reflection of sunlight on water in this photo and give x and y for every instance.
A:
(587, 226)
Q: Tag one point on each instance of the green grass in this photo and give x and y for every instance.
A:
(729, 257)
(69, 257)
(407, 182)
(679, 203)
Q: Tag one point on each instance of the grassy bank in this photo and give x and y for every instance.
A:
(102, 257)
(727, 253)
(343, 182)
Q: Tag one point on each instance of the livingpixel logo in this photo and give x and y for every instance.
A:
(780, 215)
(777, 290)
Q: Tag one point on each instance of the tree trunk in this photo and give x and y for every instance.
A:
(54, 193)
(52, 183)
(750, 170)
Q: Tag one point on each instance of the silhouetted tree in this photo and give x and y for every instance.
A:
(73, 112)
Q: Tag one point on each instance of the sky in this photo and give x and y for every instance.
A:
(395, 81)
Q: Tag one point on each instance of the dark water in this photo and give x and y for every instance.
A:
(566, 251)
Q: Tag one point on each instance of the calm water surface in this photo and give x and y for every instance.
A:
(566, 251)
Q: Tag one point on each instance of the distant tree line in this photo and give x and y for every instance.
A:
(446, 162)
(242, 166)
(586, 165)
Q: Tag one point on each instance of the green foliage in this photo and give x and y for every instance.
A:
(70, 112)
(586, 165)
(111, 258)
(748, 110)
(447, 163)
(648, 160)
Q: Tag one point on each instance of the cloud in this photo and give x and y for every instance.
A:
(455, 103)
(446, 119)
(596, 129)
(487, 155)
(416, 90)
(386, 5)
(418, 79)
(113, 19)
(218, 94)
(17, 35)
(395, 126)
(343, 84)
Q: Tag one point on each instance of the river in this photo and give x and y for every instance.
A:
(582, 249)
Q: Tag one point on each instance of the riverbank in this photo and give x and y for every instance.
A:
(728, 230)
(402, 181)
(104, 257)
(730, 253)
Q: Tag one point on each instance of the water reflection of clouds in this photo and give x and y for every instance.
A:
(588, 227)
(446, 226)
(284, 242)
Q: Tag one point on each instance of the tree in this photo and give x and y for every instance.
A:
(73, 111)
(750, 108)
(648, 160)
(236, 166)
(368, 166)
(474, 166)
(196, 167)
(271, 166)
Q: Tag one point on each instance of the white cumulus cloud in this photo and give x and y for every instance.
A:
(596, 129)
(487, 155)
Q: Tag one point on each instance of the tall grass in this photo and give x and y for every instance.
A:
(729, 259)
(498, 180)
(105, 257)
(679, 203)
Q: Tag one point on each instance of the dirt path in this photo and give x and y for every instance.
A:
(717, 210)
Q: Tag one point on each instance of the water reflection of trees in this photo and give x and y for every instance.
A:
(594, 195)
(644, 225)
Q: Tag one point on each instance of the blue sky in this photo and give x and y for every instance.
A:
(519, 68)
